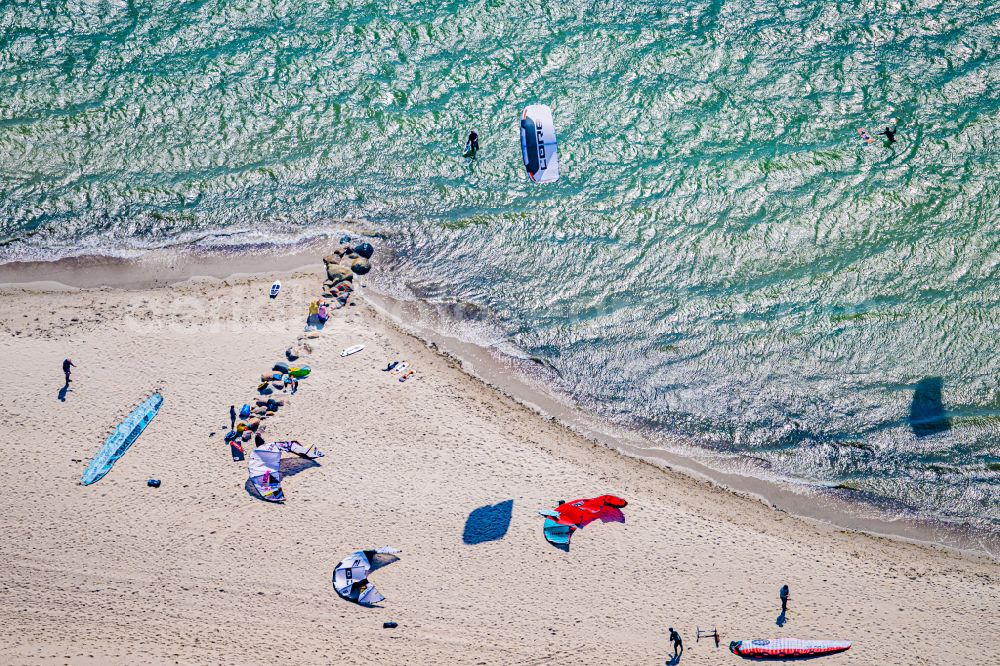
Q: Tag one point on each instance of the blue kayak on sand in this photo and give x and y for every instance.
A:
(119, 441)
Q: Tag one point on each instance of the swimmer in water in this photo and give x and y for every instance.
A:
(890, 134)
(473, 143)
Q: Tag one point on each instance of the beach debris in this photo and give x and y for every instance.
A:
(407, 375)
(705, 633)
(299, 373)
(244, 411)
(350, 577)
(352, 350)
(538, 144)
(275, 288)
(361, 266)
(264, 466)
(364, 250)
(291, 353)
(119, 441)
(577, 514)
(235, 447)
(389, 625)
(153, 483)
(786, 648)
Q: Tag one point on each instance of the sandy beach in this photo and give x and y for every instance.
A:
(198, 571)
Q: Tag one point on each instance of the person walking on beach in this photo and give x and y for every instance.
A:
(675, 638)
(232, 417)
(67, 364)
(783, 595)
(889, 134)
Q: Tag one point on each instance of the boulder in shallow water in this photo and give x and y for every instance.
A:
(364, 250)
(361, 266)
(337, 273)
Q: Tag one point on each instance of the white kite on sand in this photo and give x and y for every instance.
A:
(264, 465)
(350, 577)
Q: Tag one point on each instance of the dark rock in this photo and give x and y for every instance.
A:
(365, 250)
(337, 273)
(360, 266)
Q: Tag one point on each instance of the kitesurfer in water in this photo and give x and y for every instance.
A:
(890, 134)
(472, 145)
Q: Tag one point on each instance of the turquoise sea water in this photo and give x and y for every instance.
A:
(722, 259)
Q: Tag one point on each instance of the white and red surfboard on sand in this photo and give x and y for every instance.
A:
(785, 648)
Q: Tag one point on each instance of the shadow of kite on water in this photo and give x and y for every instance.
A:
(488, 523)
(927, 414)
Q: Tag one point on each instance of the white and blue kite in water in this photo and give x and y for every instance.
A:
(538, 144)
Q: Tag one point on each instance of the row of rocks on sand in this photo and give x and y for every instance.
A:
(341, 267)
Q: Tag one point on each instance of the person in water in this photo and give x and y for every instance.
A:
(473, 143)
(890, 134)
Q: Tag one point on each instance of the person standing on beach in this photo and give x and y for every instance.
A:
(783, 595)
(232, 417)
(67, 364)
(675, 638)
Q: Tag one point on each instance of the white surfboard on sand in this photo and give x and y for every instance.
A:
(352, 350)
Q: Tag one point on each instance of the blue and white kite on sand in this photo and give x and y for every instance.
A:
(121, 439)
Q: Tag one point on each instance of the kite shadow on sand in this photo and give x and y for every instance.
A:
(289, 467)
(488, 523)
